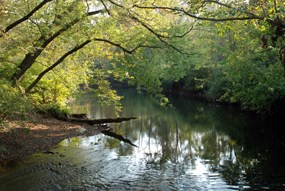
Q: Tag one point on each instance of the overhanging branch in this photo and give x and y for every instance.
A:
(26, 17)
(129, 51)
(43, 43)
(179, 10)
(159, 36)
(105, 6)
(34, 83)
(185, 33)
(116, 4)
(44, 72)
(230, 7)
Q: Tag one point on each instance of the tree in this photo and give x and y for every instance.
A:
(43, 42)
(58, 30)
(266, 15)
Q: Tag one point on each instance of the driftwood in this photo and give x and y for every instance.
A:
(117, 136)
(100, 121)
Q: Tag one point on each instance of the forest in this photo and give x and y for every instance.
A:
(228, 51)
(192, 94)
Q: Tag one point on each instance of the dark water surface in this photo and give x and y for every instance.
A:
(192, 146)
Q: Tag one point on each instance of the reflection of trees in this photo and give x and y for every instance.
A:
(224, 139)
(89, 105)
(73, 141)
(231, 172)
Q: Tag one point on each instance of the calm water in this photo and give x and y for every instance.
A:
(192, 146)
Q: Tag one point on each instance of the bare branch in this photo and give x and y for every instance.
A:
(87, 5)
(218, 2)
(38, 26)
(275, 6)
(147, 27)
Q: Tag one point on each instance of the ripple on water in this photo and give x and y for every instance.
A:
(89, 168)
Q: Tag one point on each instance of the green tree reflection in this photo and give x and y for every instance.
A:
(226, 140)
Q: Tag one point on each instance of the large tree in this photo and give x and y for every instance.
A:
(40, 36)
(52, 46)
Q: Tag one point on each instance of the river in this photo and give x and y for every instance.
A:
(193, 145)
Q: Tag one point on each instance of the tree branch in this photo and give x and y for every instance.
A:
(44, 42)
(34, 83)
(105, 7)
(185, 33)
(26, 17)
(159, 36)
(40, 76)
(123, 48)
(218, 2)
(198, 17)
(230, 7)
(117, 4)
(95, 12)
(275, 6)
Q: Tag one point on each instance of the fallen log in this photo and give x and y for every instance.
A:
(100, 121)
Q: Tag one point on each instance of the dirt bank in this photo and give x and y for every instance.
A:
(19, 139)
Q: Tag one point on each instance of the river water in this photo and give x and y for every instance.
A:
(193, 145)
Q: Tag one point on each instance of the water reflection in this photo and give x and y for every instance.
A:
(201, 139)
(192, 146)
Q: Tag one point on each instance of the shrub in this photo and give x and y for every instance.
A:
(255, 81)
(53, 110)
(13, 104)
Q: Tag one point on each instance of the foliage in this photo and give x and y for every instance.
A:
(103, 91)
(66, 39)
(3, 149)
(51, 50)
(53, 110)
(253, 84)
(249, 74)
(235, 68)
(13, 104)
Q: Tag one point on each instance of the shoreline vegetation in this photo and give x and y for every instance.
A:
(43, 129)
(20, 137)
(231, 52)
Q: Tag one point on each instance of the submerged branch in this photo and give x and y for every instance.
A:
(117, 136)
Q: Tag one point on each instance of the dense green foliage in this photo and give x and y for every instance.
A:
(236, 68)
(12, 103)
(228, 50)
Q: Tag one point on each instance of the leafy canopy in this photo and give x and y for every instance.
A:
(51, 47)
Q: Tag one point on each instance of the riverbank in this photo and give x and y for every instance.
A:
(19, 139)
